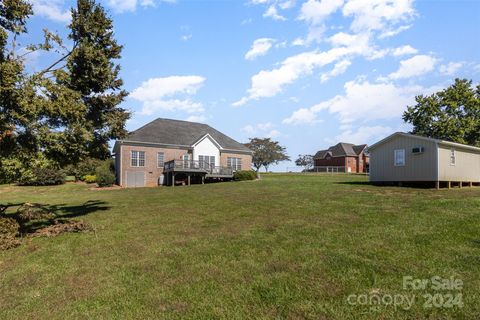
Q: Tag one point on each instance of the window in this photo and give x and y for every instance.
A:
(234, 163)
(399, 157)
(452, 157)
(160, 159)
(207, 161)
(138, 159)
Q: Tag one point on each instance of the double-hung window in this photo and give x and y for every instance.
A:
(399, 157)
(160, 159)
(138, 159)
(207, 161)
(234, 163)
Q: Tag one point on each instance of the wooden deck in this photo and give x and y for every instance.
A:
(195, 168)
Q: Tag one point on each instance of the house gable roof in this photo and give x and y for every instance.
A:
(438, 141)
(340, 150)
(181, 134)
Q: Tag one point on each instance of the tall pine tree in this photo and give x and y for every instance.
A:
(92, 72)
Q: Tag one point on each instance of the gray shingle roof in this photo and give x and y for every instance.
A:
(181, 133)
(341, 149)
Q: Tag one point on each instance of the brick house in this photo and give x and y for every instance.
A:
(352, 157)
(166, 152)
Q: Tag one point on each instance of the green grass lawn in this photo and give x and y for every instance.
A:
(286, 247)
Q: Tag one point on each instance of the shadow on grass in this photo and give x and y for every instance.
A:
(412, 185)
(61, 214)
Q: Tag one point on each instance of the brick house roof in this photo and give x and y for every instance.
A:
(181, 133)
(341, 149)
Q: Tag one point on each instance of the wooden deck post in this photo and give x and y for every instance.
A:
(449, 183)
(173, 179)
(460, 184)
(188, 178)
(437, 185)
(203, 179)
(470, 184)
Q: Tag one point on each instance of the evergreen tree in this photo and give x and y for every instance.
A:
(92, 72)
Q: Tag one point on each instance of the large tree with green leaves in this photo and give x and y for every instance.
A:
(266, 152)
(70, 110)
(451, 114)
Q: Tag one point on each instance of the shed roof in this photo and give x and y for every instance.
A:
(438, 141)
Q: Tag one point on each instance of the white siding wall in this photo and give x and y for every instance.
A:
(207, 148)
(418, 167)
(466, 168)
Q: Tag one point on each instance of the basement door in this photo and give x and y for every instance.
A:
(135, 179)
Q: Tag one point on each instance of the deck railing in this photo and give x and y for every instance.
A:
(196, 165)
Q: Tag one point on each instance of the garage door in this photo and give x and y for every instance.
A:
(135, 179)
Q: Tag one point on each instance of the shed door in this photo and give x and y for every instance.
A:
(135, 179)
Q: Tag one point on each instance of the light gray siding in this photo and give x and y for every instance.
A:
(418, 167)
(466, 168)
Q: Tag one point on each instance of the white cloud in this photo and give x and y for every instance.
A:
(363, 101)
(338, 69)
(301, 116)
(415, 66)
(52, 10)
(371, 15)
(163, 94)
(268, 83)
(273, 13)
(451, 68)
(264, 130)
(131, 5)
(363, 134)
(404, 50)
(287, 4)
(260, 47)
(315, 12)
(393, 32)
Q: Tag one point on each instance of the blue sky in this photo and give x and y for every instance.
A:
(306, 73)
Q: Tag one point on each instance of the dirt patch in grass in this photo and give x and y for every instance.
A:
(62, 227)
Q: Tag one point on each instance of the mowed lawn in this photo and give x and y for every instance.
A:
(290, 246)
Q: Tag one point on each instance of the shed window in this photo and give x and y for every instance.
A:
(138, 159)
(160, 159)
(452, 157)
(399, 157)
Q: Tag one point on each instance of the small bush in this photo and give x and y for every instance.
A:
(244, 175)
(89, 178)
(42, 176)
(105, 177)
(70, 179)
(86, 167)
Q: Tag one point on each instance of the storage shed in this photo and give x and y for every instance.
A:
(406, 158)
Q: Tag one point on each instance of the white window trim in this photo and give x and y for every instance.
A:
(158, 153)
(138, 159)
(453, 155)
(395, 158)
(235, 163)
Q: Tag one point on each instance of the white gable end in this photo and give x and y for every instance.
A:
(206, 147)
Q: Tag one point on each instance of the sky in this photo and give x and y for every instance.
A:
(307, 73)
